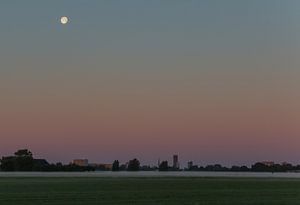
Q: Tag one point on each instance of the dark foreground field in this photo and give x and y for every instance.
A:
(151, 191)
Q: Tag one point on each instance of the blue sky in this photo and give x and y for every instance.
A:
(181, 76)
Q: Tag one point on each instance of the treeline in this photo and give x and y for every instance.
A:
(133, 165)
(257, 167)
(24, 161)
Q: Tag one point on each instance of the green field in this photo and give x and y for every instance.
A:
(149, 191)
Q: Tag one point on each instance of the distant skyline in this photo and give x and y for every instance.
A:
(212, 81)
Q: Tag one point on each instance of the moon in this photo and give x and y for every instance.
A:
(64, 20)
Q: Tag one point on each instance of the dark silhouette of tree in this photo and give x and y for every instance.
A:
(133, 165)
(260, 167)
(23, 153)
(116, 166)
(24, 160)
(235, 168)
(21, 161)
(244, 169)
(7, 164)
(286, 167)
(123, 167)
(163, 166)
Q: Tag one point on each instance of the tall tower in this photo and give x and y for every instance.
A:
(175, 162)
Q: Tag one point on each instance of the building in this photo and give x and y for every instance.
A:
(40, 162)
(106, 166)
(102, 167)
(175, 162)
(81, 162)
(190, 165)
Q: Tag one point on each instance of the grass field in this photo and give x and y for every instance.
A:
(149, 191)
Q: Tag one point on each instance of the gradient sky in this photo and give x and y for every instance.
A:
(214, 81)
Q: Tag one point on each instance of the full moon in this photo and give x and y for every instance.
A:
(64, 20)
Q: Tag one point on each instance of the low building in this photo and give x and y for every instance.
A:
(106, 166)
(102, 167)
(81, 162)
(40, 162)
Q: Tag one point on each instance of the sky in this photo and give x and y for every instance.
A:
(213, 81)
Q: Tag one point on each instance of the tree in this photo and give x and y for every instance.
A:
(7, 164)
(260, 167)
(163, 166)
(244, 169)
(133, 165)
(235, 168)
(21, 161)
(23, 153)
(24, 160)
(115, 166)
